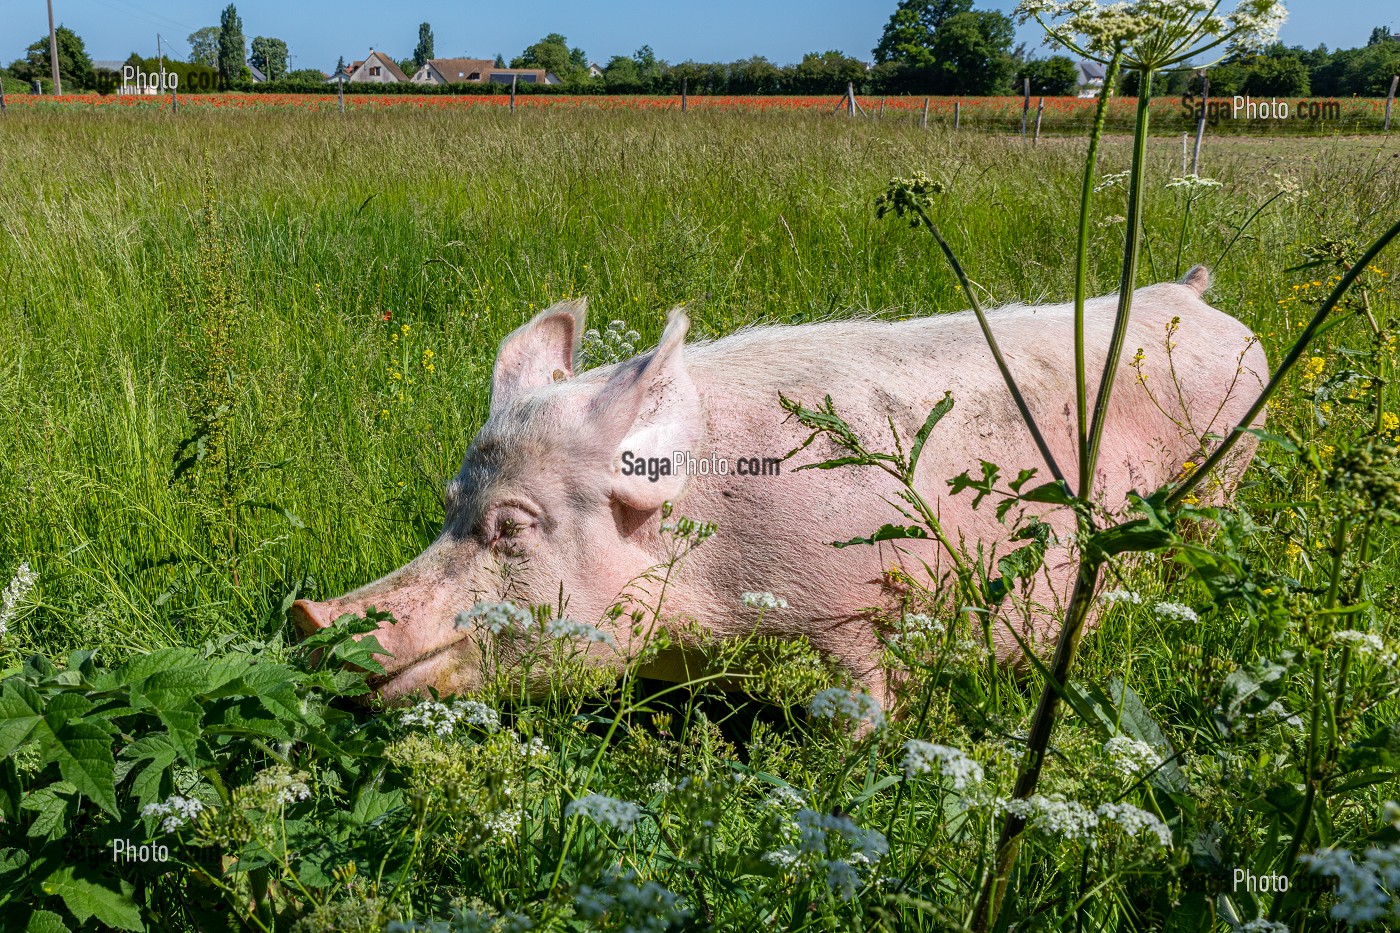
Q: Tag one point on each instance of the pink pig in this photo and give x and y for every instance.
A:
(562, 485)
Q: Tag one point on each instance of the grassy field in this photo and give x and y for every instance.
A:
(372, 265)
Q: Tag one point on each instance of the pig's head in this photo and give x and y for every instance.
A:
(541, 502)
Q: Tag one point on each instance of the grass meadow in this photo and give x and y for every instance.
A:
(338, 324)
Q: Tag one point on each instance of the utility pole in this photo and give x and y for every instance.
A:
(53, 54)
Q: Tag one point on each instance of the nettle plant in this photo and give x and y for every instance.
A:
(1314, 636)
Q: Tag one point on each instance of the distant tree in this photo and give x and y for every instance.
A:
(204, 46)
(74, 65)
(1056, 76)
(500, 60)
(270, 55)
(552, 53)
(406, 66)
(233, 49)
(424, 49)
(908, 36)
(970, 52)
(620, 75)
(756, 75)
(1379, 34)
(826, 73)
(1276, 76)
(305, 76)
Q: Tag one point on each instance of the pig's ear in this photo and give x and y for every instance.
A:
(654, 410)
(539, 352)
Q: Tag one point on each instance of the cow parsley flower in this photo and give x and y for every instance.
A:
(443, 719)
(838, 703)
(496, 618)
(1366, 643)
(281, 786)
(1053, 816)
(763, 601)
(1264, 925)
(1131, 756)
(1122, 596)
(638, 906)
(578, 631)
(18, 588)
(921, 757)
(1367, 889)
(177, 811)
(606, 811)
(1154, 33)
(1135, 820)
(815, 835)
(1175, 612)
(1193, 183)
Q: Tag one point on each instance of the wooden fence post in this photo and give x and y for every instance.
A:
(1026, 107)
(923, 120)
(1390, 99)
(1201, 123)
(340, 89)
(685, 86)
(1183, 152)
(3, 109)
(882, 106)
(512, 92)
(1039, 111)
(957, 114)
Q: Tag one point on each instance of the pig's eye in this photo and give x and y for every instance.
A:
(509, 530)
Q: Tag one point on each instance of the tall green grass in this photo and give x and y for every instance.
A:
(356, 245)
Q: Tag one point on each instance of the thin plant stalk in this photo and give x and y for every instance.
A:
(1087, 577)
(992, 344)
(1081, 270)
(1126, 283)
(1300, 346)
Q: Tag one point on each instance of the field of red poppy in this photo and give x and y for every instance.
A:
(1314, 116)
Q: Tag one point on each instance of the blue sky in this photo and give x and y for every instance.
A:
(717, 30)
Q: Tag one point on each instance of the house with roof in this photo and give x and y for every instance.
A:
(375, 68)
(478, 71)
(1090, 79)
(256, 72)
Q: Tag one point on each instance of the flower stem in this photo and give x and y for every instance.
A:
(1126, 283)
(1081, 270)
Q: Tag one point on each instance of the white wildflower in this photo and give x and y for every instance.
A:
(177, 811)
(281, 785)
(1111, 181)
(496, 618)
(443, 719)
(1193, 183)
(1367, 643)
(920, 757)
(763, 601)
(14, 594)
(606, 811)
(838, 703)
(1122, 596)
(578, 631)
(612, 345)
(1131, 756)
(533, 751)
(1111, 220)
(1264, 925)
(1366, 889)
(1135, 820)
(842, 879)
(638, 906)
(1256, 24)
(503, 823)
(1175, 612)
(785, 798)
(1053, 816)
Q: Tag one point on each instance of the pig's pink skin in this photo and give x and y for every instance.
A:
(548, 459)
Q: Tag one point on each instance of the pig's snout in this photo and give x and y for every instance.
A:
(310, 617)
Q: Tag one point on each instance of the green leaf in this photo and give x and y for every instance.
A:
(886, 533)
(45, 921)
(21, 710)
(1129, 537)
(87, 897)
(1055, 492)
(935, 415)
(55, 806)
(84, 755)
